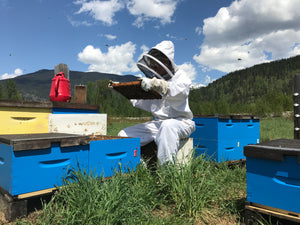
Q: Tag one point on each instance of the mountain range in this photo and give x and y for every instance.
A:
(36, 86)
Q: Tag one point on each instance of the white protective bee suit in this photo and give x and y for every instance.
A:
(172, 114)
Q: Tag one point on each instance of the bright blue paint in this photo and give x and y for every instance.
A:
(72, 111)
(6, 168)
(224, 139)
(33, 170)
(274, 183)
(106, 156)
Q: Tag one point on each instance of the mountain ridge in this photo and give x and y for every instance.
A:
(36, 86)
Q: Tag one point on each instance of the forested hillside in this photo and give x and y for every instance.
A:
(261, 89)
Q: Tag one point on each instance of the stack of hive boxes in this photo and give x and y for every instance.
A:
(223, 137)
(41, 141)
(273, 176)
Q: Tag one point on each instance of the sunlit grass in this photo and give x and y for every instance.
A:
(170, 195)
(276, 128)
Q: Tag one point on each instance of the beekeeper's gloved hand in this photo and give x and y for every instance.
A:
(159, 85)
(146, 84)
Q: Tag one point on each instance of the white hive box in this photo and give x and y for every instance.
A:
(185, 152)
(84, 124)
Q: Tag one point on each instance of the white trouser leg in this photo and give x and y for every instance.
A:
(146, 131)
(165, 133)
(168, 137)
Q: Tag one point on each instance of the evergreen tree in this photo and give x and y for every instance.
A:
(11, 90)
(2, 93)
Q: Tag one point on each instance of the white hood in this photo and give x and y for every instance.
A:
(167, 47)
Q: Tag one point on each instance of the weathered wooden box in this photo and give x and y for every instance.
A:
(273, 174)
(223, 137)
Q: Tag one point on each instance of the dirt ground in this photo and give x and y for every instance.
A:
(2, 219)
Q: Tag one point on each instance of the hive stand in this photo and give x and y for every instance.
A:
(12, 208)
(184, 155)
(256, 212)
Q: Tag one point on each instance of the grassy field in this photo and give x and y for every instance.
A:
(202, 192)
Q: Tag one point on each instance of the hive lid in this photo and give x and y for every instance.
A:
(133, 90)
(229, 116)
(274, 150)
(21, 142)
(46, 105)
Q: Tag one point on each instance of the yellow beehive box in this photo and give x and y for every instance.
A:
(24, 117)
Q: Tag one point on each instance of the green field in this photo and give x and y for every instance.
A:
(270, 128)
(202, 192)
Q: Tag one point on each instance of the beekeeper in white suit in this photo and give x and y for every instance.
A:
(172, 114)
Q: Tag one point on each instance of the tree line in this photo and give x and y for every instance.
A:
(9, 91)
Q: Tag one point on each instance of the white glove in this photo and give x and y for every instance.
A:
(146, 84)
(160, 85)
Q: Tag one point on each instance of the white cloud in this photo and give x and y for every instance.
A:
(101, 10)
(208, 79)
(250, 32)
(189, 69)
(198, 30)
(144, 50)
(118, 59)
(162, 10)
(76, 23)
(197, 85)
(17, 72)
(110, 36)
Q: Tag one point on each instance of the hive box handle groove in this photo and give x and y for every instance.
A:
(23, 118)
(229, 149)
(287, 181)
(54, 163)
(116, 155)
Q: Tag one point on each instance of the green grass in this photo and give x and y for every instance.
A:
(114, 125)
(202, 192)
(170, 195)
(276, 128)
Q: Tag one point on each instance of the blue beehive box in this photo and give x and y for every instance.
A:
(31, 163)
(73, 108)
(223, 137)
(34, 162)
(110, 154)
(273, 174)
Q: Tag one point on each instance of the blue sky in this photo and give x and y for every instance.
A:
(211, 37)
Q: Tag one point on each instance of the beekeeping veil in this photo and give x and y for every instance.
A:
(159, 61)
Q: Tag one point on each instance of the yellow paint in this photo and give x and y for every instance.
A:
(15, 120)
